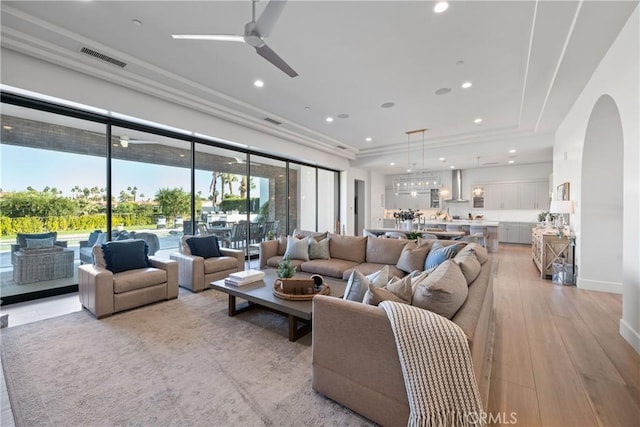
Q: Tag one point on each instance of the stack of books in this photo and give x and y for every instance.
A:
(246, 277)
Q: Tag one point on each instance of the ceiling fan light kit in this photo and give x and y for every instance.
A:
(255, 32)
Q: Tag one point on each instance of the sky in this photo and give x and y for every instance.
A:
(23, 167)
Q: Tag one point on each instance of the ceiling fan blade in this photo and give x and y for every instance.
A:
(267, 53)
(217, 37)
(269, 17)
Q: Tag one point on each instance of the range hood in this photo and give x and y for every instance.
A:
(456, 186)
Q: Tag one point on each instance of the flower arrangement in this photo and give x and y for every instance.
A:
(409, 214)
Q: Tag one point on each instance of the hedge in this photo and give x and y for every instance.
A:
(10, 226)
(239, 204)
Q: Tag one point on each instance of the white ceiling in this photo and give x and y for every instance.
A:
(527, 60)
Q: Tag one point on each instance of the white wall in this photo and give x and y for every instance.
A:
(35, 75)
(617, 76)
(347, 194)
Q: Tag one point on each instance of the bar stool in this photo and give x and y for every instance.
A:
(478, 230)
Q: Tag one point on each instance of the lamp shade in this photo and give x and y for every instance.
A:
(561, 206)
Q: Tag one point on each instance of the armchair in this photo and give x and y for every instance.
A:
(196, 272)
(85, 252)
(125, 277)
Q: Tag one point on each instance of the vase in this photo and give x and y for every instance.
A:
(407, 225)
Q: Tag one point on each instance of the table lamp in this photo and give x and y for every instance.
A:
(562, 207)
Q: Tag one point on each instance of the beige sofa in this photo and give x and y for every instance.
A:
(104, 293)
(195, 272)
(355, 361)
(365, 254)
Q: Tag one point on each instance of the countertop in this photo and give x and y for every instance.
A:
(463, 222)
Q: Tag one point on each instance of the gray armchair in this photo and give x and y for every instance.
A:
(85, 252)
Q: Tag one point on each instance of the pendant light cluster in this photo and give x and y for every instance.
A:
(415, 181)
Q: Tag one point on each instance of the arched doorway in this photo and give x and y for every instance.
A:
(601, 200)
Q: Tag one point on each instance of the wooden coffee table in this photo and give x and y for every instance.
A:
(260, 294)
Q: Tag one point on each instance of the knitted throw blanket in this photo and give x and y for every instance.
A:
(437, 368)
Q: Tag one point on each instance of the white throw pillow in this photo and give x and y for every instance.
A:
(358, 283)
(297, 249)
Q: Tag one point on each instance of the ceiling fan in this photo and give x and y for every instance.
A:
(254, 34)
(125, 141)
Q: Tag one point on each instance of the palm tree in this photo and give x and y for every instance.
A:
(133, 191)
(212, 188)
(229, 178)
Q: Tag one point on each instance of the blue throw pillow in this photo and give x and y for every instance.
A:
(126, 255)
(439, 254)
(206, 247)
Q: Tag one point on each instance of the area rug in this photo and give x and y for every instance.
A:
(177, 363)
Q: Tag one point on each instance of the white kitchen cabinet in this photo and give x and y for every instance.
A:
(515, 232)
(543, 196)
(501, 196)
(390, 199)
(512, 195)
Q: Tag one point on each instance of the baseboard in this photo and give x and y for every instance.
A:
(44, 293)
(600, 286)
(631, 336)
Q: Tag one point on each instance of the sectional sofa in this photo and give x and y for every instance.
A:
(355, 360)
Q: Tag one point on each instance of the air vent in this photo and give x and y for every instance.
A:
(274, 122)
(102, 57)
(342, 147)
(490, 163)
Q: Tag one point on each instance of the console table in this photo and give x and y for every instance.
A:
(37, 266)
(547, 248)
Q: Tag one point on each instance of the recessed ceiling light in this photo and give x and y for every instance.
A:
(460, 62)
(329, 119)
(409, 170)
(258, 83)
(392, 164)
(441, 159)
(181, 155)
(343, 116)
(6, 127)
(136, 22)
(512, 151)
(443, 91)
(115, 145)
(368, 139)
(511, 161)
(387, 105)
(452, 167)
(478, 120)
(307, 108)
(441, 6)
(466, 85)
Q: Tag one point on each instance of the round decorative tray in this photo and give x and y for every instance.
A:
(278, 290)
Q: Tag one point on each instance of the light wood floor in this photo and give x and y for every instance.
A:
(558, 357)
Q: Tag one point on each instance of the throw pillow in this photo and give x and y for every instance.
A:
(318, 249)
(358, 283)
(443, 291)
(479, 250)
(297, 249)
(438, 254)
(126, 255)
(413, 256)
(469, 264)
(402, 288)
(46, 242)
(398, 290)
(205, 247)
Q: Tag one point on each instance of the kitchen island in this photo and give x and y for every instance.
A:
(490, 229)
